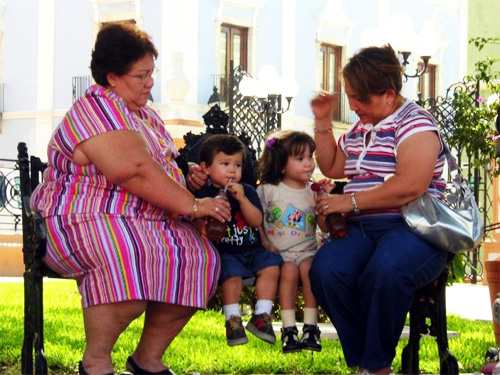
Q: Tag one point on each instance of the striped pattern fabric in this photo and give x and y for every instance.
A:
(71, 188)
(368, 163)
(117, 246)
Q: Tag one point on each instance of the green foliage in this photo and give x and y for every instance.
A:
(474, 115)
(201, 346)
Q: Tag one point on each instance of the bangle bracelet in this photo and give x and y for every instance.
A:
(194, 209)
(323, 130)
(354, 204)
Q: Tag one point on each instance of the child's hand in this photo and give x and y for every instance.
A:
(236, 191)
(270, 247)
(326, 184)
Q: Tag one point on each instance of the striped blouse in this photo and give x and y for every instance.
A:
(368, 164)
(71, 188)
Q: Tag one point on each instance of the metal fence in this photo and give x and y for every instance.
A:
(10, 197)
(480, 179)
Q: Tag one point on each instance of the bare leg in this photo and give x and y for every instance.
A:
(162, 324)
(231, 290)
(304, 266)
(103, 326)
(267, 283)
(289, 285)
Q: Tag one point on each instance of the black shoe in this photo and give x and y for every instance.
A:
(310, 338)
(290, 340)
(262, 327)
(235, 333)
(82, 371)
(136, 370)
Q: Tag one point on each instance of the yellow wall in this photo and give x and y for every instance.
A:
(11, 255)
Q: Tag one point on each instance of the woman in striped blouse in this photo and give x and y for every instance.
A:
(393, 154)
(118, 213)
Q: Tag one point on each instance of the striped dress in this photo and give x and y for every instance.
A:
(368, 163)
(117, 246)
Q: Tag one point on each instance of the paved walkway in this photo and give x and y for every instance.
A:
(465, 300)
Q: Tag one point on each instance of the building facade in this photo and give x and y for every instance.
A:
(45, 48)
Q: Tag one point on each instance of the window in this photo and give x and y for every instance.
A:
(233, 46)
(329, 78)
(428, 82)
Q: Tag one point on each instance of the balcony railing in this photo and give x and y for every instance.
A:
(80, 85)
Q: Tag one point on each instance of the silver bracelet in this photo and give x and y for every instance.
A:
(354, 204)
(323, 130)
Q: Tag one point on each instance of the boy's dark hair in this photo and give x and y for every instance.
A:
(373, 71)
(279, 146)
(226, 143)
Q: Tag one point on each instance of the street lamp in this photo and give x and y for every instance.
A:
(267, 92)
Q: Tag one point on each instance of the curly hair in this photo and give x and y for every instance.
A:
(118, 46)
(226, 143)
(373, 71)
(278, 147)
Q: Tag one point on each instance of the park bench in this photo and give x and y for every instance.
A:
(427, 314)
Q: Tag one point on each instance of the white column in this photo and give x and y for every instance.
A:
(180, 35)
(45, 74)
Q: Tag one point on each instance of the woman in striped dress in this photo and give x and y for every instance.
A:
(392, 155)
(118, 213)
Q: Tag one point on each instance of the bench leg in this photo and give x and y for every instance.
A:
(448, 362)
(410, 357)
(29, 326)
(33, 327)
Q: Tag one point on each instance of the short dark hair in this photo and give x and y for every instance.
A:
(226, 143)
(279, 146)
(118, 46)
(373, 71)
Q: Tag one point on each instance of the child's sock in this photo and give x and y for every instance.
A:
(263, 306)
(231, 310)
(287, 318)
(311, 315)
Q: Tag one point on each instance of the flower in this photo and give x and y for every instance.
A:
(271, 142)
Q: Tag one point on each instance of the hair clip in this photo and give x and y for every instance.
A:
(271, 142)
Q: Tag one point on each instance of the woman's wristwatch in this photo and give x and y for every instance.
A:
(354, 204)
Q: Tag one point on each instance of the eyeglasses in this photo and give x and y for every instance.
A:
(145, 76)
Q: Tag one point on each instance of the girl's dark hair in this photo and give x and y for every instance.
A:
(226, 143)
(373, 71)
(118, 46)
(279, 146)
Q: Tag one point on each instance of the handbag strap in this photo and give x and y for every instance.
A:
(452, 164)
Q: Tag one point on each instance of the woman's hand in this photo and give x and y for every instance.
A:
(196, 178)
(218, 208)
(322, 107)
(331, 203)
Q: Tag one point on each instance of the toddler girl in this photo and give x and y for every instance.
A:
(289, 226)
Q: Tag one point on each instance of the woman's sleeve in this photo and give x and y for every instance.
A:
(91, 116)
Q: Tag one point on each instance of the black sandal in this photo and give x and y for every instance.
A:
(81, 370)
(136, 370)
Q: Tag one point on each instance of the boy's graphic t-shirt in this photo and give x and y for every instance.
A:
(239, 236)
(289, 216)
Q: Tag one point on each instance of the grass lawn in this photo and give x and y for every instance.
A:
(201, 346)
